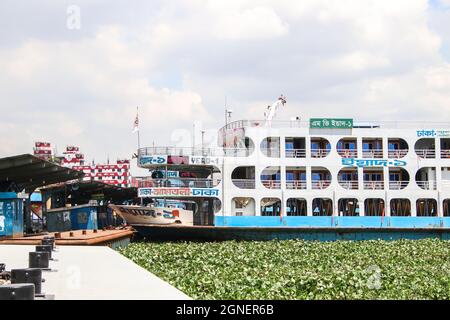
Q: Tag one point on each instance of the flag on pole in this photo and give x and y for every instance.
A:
(136, 124)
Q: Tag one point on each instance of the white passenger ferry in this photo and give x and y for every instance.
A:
(322, 172)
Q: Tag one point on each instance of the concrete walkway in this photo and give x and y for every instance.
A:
(93, 273)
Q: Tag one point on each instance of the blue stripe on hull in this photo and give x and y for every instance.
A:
(326, 222)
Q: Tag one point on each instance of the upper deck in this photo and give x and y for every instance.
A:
(357, 124)
(246, 134)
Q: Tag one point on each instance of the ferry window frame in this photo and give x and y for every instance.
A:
(315, 145)
(395, 174)
(304, 209)
(393, 145)
(446, 207)
(427, 201)
(289, 146)
(314, 201)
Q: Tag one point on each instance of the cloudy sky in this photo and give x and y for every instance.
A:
(73, 72)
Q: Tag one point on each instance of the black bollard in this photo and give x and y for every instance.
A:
(45, 248)
(29, 275)
(48, 242)
(38, 260)
(22, 291)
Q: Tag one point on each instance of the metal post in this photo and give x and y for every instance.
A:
(27, 211)
(203, 142)
(193, 138)
(165, 185)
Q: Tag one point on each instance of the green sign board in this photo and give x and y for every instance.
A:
(327, 123)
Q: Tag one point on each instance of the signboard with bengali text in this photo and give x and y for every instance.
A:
(433, 133)
(329, 123)
(177, 192)
(362, 163)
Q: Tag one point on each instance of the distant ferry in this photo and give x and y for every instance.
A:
(323, 172)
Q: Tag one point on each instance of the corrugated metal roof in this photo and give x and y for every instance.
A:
(27, 172)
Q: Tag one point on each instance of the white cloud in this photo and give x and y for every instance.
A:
(178, 60)
(253, 23)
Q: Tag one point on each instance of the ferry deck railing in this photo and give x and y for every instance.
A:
(363, 124)
(373, 185)
(347, 153)
(296, 184)
(177, 183)
(194, 151)
(445, 154)
(271, 152)
(320, 184)
(295, 153)
(427, 185)
(319, 153)
(244, 183)
(374, 153)
(349, 184)
(426, 153)
(398, 185)
(397, 154)
(271, 184)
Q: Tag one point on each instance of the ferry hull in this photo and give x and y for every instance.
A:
(207, 233)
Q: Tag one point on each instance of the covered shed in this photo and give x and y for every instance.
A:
(91, 198)
(20, 176)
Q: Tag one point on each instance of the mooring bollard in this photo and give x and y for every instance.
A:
(45, 248)
(22, 291)
(30, 275)
(48, 241)
(38, 260)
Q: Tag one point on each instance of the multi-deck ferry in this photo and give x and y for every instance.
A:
(320, 173)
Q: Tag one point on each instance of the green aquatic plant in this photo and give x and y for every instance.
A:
(295, 269)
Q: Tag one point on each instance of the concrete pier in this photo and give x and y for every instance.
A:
(93, 273)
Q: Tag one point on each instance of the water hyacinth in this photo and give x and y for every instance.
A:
(296, 269)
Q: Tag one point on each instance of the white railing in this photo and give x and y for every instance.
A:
(319, 153)
(295, 153)
(350, 185)
(296, 184)
(347, 153)
(271, 152)
(398, 185)
(397, 154)
(426, 153)
(356, 124)
(271, 184)
(177, 183)
(237, 152)
(445, 154)
(244, 183)
(320, 184)
(373, 185)
(374, 153)
(264, 123)
(445, 184)
(196, 151)
(427, 185)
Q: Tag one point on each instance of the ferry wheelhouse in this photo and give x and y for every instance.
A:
(317, 173)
